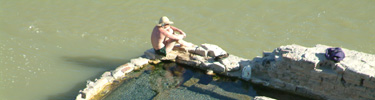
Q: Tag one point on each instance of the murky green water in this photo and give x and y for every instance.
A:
(168, 81)
(48, 49)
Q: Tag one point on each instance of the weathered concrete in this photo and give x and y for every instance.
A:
(109, 80)
(306, 71)
(291, 68)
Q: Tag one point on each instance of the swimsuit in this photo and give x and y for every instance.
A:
(161, 51)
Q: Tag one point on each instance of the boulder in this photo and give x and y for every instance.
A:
(199, 51)
(217, 67)
(231, 63)
(213, 50)
(139, 61)
(120, 71)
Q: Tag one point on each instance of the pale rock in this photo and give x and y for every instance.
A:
(217, 67)
(199, 58)
(210, 72)
(139, 61)
(118, 73)
(194, 63)
(107, 74)
(205, 65)
(231, 63)
(263, 98)
(127, 69)
(199, 51)
(90, 84)
(246, 72)
(339, 68)
(213, 50)
(171, 56)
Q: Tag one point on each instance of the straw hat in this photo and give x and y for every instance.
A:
(164, 20)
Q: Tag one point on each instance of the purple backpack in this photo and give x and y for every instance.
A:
(335, 54)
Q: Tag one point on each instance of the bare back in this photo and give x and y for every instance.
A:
(157, 38)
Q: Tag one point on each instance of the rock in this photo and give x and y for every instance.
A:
(120, 71)
(107, 74)
(171, 56)
(231, 63)
(205, 65)
(118, 75)
(291, 68)
(127, 69)
(246, 72)
(154, 61)
(339, 68)
(150, 54)
(263, 98)
(199, 58)
(213, 50)
(217, 67)
(194, 63)
(189, 49)
(369, 83)
(139, 61)
(234, 74)
(199, 51)
(210, 72)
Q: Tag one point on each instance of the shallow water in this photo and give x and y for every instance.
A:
(167, 81)
(48, 49)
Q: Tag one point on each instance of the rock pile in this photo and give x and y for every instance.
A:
(291, 68)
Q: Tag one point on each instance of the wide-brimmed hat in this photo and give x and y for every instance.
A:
(164, 20)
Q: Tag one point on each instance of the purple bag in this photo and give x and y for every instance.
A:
(335, 54)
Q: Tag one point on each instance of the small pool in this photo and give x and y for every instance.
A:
(172, 81)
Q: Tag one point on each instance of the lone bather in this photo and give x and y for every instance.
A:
(163, 38)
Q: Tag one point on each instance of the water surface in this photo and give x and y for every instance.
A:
(170, 81)
(48, 49)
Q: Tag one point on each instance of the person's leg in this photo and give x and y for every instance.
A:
(184, 43)
(169, 44)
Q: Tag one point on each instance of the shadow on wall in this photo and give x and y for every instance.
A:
(88, 61)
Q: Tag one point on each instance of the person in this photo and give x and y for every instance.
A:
(163, 37)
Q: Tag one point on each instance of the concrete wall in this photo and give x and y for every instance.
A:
(306, 71)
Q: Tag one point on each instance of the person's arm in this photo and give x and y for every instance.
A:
(178, 30)
(170, 35)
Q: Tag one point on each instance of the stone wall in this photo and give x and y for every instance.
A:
(292, 68)
(306, 71)
(96, 90)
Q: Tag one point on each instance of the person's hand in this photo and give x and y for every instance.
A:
(183, 34)
(181, 37)
(169, 30)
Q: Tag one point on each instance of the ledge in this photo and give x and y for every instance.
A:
(292, 68)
